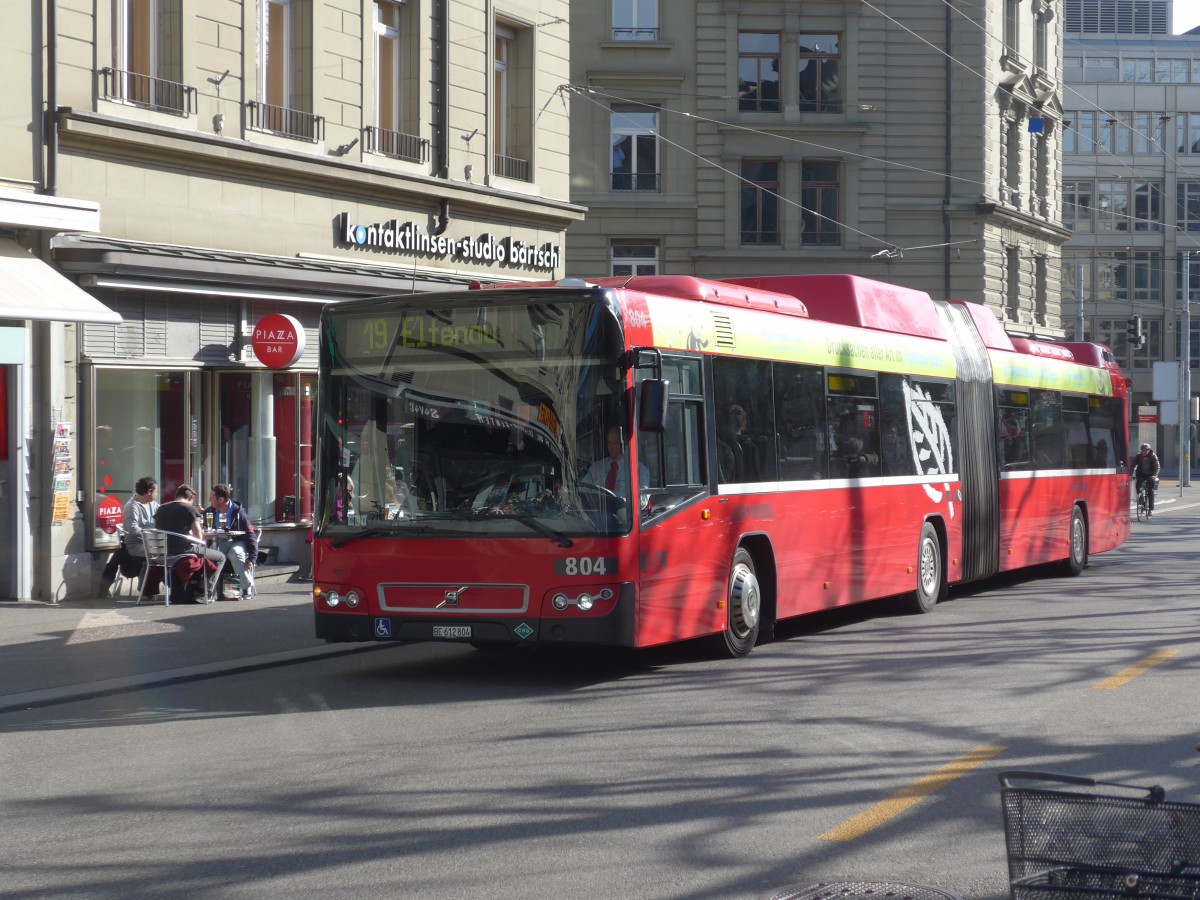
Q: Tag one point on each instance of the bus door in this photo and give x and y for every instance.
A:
(683, 560)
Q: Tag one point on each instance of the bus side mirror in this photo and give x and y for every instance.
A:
(652, 416)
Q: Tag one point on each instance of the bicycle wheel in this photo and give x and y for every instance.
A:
(1142, 512)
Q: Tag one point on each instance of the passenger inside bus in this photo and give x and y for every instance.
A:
(853, 454)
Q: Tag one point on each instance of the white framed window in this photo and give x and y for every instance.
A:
(148, 54)
(389, 64)
(633, 256)
(635, 20)
(512, 112)
(635, 164)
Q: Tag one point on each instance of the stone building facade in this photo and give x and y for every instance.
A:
(235, 160)
(916, 142)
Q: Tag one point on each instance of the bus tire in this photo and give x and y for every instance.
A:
(744, 607)
(1077, 559)
(930, 572)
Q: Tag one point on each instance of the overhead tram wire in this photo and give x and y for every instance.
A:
(786, 200)
(1066, 87)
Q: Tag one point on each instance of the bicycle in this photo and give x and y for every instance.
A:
(1072, 842)
(1143, 499)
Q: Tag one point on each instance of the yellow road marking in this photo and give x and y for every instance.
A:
(918, 790)
(1138, 668)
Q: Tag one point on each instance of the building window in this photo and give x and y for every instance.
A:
(820, 201)
(760, 201)
(1039, 179)
(1012, 283)
(820, 73)
(635, 20)
(1137, 71)
(1147, 131)
(513, 99)
(1188, 131)
(1012, 162)
(149, 56)
(1099, 69)
(286, 73)
(1041, 54)
(1012, 27)
(1072, 69)
(142, 422)
(1077, 206)
(1147, 206)
(635, 149)
(264, 447)
(1041, 288)
(1187, 209)
(395, 128)
(758, 72)
(631, 256)
(1112, 206)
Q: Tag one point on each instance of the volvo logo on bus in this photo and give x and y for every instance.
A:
(450, 598)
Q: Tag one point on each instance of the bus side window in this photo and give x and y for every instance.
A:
(1048, 443)
(800, 422)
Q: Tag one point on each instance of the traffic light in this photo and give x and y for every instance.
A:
(1136, 338)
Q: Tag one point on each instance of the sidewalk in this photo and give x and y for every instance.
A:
(54, 652)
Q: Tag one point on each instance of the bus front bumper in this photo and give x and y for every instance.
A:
(615, 628)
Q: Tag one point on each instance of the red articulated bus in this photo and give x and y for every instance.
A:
(652, 459)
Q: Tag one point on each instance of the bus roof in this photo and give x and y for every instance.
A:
(861, 302)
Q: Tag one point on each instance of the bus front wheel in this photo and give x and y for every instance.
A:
(744, 606)
(929, 570)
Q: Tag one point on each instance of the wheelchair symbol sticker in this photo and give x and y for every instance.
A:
(383, 628)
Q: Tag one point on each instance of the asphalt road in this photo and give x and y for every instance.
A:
(862, 746)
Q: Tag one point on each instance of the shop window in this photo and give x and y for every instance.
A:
(141, 428)
(264, 445)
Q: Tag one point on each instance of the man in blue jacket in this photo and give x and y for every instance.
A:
(240, 549)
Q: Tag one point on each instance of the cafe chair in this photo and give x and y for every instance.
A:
(122, 580)
(156, 542)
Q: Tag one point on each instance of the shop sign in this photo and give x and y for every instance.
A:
(484, 249)
(278, 341)
(109, 515)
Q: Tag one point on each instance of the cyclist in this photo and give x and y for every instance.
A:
(1146, 467)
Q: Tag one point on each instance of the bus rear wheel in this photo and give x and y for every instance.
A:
(1077, 559)
(929, 571)
(744, 606)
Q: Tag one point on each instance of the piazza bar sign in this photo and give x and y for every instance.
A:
(278, 340)
(410, 238)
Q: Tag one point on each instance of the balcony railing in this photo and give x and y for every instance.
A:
(635, 34)
(148, 91)
(642, 181)
(293, 123)
(822, 106)
(511, 167)
(396, 144)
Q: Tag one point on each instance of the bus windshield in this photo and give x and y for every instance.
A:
(470, 414)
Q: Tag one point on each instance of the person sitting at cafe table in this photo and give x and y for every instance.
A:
(237, 538)
(181, 517)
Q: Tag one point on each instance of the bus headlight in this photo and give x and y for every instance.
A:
(585, 602)
(332, 599)
(560, 602)
(352, 599)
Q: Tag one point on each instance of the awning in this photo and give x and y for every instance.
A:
(30, 289)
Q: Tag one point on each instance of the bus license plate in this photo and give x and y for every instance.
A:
(451, 631)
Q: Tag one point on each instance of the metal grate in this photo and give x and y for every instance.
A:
(1077, 883)
(148, 91)
(396, 144)
(860, 890)
(1045, 828)
(511, 167)
(293, 123)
